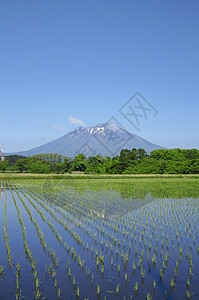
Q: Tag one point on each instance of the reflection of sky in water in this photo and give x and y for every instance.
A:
(121, 221)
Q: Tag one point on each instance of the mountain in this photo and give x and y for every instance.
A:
(105, 139)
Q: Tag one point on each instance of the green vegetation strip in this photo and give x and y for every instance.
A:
(93, 176)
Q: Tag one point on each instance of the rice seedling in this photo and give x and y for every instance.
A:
(148, 297)
(154, 284)
(1, 270)
(172, 283)
(188, 294)
(117, 289)
(161, 274)
(102, 269)
(92, 279)
(126, 277)
(78, 293)
(59, 293)
(67, 264)
(18, 295)
(55, 282)
(136, 287)
(37, 294)
(98, 289)
(118, 268)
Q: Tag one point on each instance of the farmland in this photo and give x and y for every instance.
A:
(85, 238)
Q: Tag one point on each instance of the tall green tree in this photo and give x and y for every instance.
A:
(21, 165)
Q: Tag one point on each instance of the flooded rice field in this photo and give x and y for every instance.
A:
(85, 240)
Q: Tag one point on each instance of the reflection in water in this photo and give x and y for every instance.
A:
(128, 188)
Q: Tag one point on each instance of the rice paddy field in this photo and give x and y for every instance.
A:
(124, 238)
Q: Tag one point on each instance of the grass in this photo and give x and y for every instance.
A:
(92, 176)
(175, 186)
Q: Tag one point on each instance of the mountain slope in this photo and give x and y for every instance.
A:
(105, 139)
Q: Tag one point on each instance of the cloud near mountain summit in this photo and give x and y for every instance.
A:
(76, 121)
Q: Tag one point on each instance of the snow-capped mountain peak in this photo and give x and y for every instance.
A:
(105, 139)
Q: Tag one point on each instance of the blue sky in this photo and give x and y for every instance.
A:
(67, 63)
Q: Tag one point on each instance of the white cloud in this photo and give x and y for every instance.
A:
(76, 121)
(41, 137)
(59, 128)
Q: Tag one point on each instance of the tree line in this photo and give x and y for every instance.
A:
(135, 161)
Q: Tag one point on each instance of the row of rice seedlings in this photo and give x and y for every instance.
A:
(18, 291)
(73, 253)
(51, 212)
(40, 234)
(53, 256)
(5, 232)
(43, 217)
(76, 237)
(51, 253)
(73, 233)
(27, 250)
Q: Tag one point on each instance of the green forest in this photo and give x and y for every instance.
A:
(172, 161)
